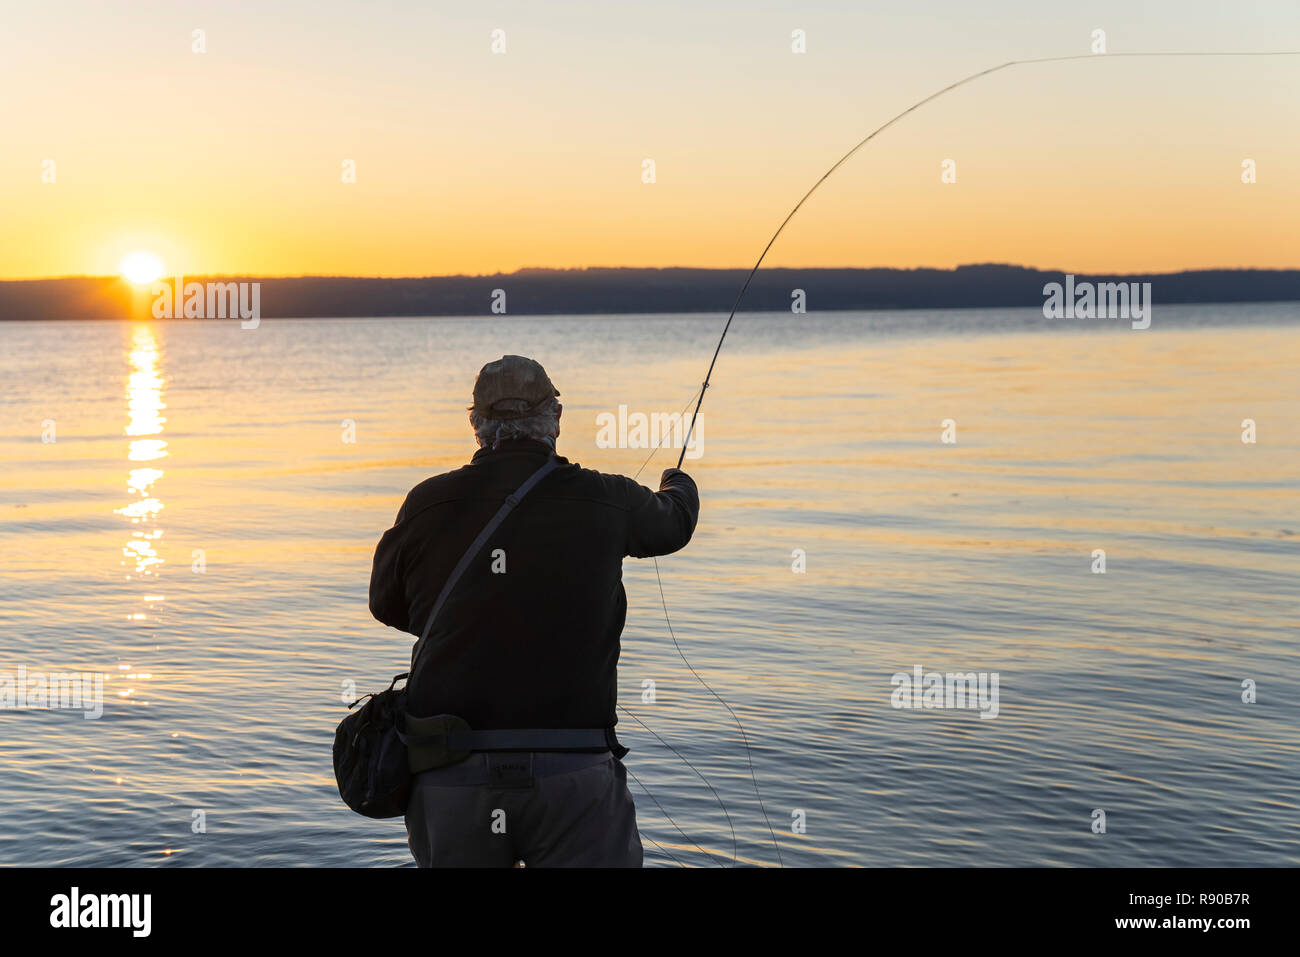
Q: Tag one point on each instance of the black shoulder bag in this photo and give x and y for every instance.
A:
(370, 755)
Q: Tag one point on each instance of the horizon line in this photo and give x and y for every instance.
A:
(595, 268)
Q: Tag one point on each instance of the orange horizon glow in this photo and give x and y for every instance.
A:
(266, 160)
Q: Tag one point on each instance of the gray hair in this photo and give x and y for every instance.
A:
(543, 426)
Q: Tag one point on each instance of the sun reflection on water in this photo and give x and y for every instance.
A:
(144, 395)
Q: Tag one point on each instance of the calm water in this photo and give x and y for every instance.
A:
(201, 533)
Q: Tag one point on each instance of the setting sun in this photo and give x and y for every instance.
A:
(141, 268)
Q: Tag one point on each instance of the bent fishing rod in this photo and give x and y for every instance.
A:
(880, 129)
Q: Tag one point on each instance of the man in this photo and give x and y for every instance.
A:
(528, 638)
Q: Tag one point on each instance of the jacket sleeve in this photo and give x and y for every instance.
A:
(660, 523)
(388, 579)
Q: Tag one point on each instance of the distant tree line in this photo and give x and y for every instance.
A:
(627, 290)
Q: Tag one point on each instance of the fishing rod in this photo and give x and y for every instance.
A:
(880, 129)
(708, 376)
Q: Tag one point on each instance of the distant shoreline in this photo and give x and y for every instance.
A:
(629, 291)
(702, 314)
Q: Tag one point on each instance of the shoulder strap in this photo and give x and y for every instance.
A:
(511, 501)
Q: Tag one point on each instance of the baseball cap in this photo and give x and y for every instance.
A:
(511, 387)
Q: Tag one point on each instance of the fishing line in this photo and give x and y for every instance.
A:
(735, 850)
(650, 794)
(743, 736)
(735, 853)
(708, 376)
(664, 435)
(656, 843)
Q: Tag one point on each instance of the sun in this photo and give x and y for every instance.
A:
(141, 268)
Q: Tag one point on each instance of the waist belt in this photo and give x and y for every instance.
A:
(529, 739)
(444, 739)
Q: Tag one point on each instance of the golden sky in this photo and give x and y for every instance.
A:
(470, 161)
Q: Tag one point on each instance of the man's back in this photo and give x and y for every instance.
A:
(529, 638)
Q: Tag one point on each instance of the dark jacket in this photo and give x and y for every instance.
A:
(537, 646)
